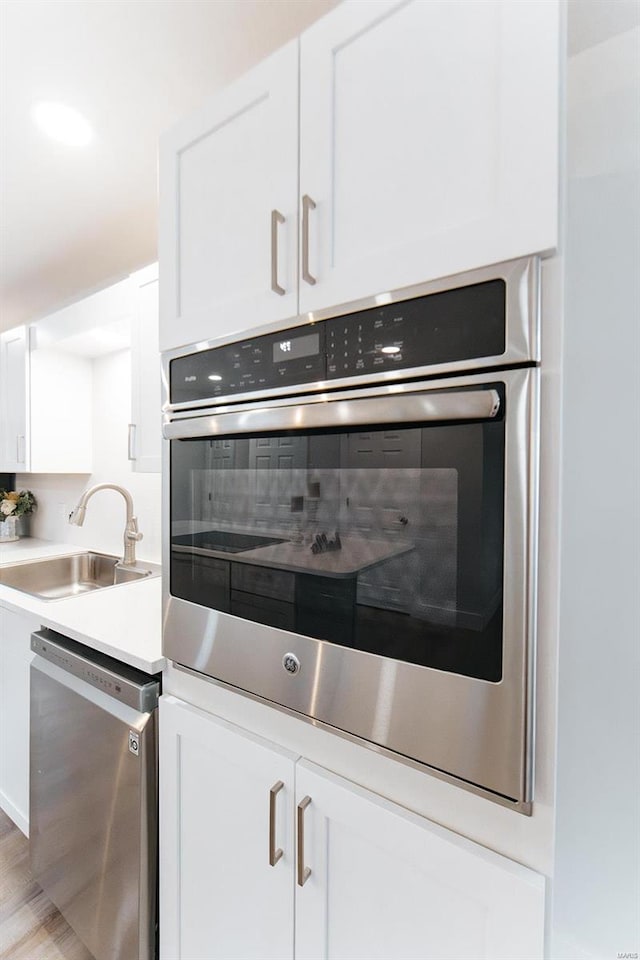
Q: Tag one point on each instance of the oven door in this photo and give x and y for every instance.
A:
(366, 559)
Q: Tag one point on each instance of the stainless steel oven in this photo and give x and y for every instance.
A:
(353, 522)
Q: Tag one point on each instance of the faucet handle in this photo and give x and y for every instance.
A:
(132, 532)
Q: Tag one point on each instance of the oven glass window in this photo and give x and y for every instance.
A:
(386, 539)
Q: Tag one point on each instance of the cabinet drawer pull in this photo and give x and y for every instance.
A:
(307, 204)
(303, 872)
(276, 218)
(274, 854)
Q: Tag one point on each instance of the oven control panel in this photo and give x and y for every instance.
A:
(262, 363)
(440, 328)
(445, 327)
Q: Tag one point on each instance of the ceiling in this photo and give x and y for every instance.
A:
(73, 220)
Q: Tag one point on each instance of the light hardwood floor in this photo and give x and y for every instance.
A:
(31, 928)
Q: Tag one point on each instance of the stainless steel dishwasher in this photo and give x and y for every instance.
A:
(94, 795)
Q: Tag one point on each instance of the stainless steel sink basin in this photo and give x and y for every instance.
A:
(58, 577)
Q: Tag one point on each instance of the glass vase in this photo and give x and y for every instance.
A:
(23, 526)
(8, 530)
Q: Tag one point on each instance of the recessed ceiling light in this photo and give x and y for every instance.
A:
(62, 123)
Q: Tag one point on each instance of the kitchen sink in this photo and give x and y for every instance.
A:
(57, 577)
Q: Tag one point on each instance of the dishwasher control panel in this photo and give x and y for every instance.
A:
(120, 681)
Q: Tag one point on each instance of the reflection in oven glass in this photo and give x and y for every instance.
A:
(386, 540)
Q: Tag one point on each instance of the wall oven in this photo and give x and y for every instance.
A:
(353, 522)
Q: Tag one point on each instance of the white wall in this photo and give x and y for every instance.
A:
(57, 494)
(596, 889)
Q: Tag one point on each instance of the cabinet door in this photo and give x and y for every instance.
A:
(15, 660)
(61, 410)
(145, 430)
(228, 208)
(428, 141)
(220, 898)
(386, 884)
(14, 393)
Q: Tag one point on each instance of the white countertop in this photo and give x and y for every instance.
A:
(354, 556)
(124, 622)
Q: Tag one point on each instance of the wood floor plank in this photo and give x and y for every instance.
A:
(31, 928)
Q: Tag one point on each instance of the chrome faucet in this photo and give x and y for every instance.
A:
(131, 532)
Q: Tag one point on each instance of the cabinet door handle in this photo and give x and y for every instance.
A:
(274, 853)
(131, 442)
(303, 872)
(276, 218)
(307, 204)
(20, 449)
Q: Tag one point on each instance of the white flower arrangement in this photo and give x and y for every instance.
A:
(16, 503)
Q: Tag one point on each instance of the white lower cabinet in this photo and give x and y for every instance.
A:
(15, 661)
(386, 884)
(220, 898)
(371, 879)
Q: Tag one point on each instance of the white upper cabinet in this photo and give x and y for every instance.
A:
(145, 429)
(228, 208)
(47, 373)
(14, 400)
(428, 146)
(428, 141)
(45, 414)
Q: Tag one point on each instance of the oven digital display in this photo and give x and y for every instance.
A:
(296, 348)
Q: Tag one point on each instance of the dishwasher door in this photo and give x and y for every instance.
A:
(93, 810)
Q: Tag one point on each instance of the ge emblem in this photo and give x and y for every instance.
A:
(290, 663)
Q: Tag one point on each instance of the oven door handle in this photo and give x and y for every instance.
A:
(436, 406)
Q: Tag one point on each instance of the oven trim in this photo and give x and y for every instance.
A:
(508, 705)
